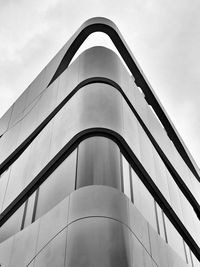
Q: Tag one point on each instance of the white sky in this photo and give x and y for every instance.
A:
(164, 36)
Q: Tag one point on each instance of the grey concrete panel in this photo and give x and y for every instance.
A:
(35, 88)
(139, 226)
(164, 254)
(68, 80)
(196, 187)
(140, 104)
(3, 186)
(188, 215)
(182, 169)
(53, 254)
(126, 82)
(47, 102)
(158, 249)
(24, 246)
(26, 167)
(168, 149)
(6, 251)
(99, 242)
(195, 261)
(143, 200)
(18, 109)
(189, 256)
(52, 223)
(38, 157)
(99, 201)
(175, 240)
(197, 229)
(174, 195)
(17, 178)
(8, 141)
(146, 153)
(175, 260)
(161, 175)
(131, 132)
(12, 225)
(58, 185)
(29, 122)
(160, 135)
(4, 120)
(66, 125)
(32, 92)
(156, 128)
(140, 257)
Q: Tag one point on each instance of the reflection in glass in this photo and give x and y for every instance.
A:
(98, 163)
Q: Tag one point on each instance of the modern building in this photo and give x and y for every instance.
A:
(93, 172)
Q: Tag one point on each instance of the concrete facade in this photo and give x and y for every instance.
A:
(93, 172)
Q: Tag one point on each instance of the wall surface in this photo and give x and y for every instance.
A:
(93, 223)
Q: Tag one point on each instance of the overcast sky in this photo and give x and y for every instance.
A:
(164, 36)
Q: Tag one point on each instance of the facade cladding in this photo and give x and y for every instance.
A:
(93, 173)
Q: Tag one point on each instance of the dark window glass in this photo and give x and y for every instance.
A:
(12, 225)
(58, 185)
(126, 177)
(29, 210)
(161, 223)
(98, 163)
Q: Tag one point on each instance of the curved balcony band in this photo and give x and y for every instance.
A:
(90, 135)
(108, 27)
(57, 66)
(79, 231)
(98, 109)
(112, 72)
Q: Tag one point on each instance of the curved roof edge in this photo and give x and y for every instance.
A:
(101, 24)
